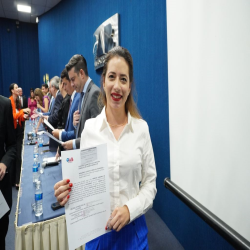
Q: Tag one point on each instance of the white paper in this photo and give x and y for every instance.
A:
(51, 159)
(4, 208)
(38, 113)
(48, 124)
(49, 135)
(88, 208)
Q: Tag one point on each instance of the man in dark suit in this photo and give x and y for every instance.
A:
(64, 109)
(88, 105)
(52, 116)
(69, 131)
(22, 99)
(7, 156)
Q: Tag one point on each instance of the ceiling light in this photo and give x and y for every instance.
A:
(24, 8)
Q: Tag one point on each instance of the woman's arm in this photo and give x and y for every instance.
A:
(46, 105)
(140, 204)
(19, 115)
(38, 125)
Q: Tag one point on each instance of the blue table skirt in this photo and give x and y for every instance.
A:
(50, 176)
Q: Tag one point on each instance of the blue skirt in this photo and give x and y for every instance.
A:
(132, 236)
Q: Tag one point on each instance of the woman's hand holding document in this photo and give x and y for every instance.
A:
(85, 193)
(44, 118)
(49, 135)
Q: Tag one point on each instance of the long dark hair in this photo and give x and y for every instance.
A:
(17, 103)
(32, 91)
(38, 92)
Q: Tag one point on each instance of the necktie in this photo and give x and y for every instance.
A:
(80, 102)
(79, 108)
(69, 106)
(51, 104)
(67, 122)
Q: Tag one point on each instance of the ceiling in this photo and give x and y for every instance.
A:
(8, 9)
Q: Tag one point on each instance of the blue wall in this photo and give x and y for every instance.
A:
(19, 56)
(68, 29)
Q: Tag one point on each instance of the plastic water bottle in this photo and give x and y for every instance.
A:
(35, 151)
(40, 152)
(38, 199)
(33, 126)
(35, 171)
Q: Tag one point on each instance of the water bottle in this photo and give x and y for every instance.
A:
(35, 171)
(40, 152)
(33, 125)
(35, 151)
(38, 199)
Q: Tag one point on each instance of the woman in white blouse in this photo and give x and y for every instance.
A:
(131, 163)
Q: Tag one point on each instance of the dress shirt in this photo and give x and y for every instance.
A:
(80, 105)
(131, 164)
(51, 104)
(71, 98)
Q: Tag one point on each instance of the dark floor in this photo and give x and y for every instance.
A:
(10, 238)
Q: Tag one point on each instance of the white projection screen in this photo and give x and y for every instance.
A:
(209, 105)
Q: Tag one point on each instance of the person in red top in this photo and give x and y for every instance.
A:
(19, 115)
(32, 105)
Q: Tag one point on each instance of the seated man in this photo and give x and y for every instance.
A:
(52, 115)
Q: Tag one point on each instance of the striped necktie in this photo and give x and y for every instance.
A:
(67, 122)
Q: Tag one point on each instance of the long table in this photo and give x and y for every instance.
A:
(47, 232)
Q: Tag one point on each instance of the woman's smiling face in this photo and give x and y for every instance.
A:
(117, 83)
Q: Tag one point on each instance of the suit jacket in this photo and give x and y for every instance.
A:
(25, 102)
(69, 132)
(7, 145)
(90, 108)
(53, 117)
(63, 112)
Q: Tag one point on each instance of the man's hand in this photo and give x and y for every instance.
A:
(76, 117)
(56, 133)
(2, 170)
(68, 145)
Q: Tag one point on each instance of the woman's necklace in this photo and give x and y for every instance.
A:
(117, 125)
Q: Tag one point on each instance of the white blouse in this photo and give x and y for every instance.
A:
(131, 162)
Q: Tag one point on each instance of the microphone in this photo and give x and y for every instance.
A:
(49, 164)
